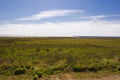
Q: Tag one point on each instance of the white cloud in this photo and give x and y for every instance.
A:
(94, 17)
(79, 28)
(49, 14)
(99, 17)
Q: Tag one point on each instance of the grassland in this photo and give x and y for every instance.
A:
(34, 58)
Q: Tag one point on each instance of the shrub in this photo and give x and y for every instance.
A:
(118, 68)
(35, 77)
(50, 72)
(28, 67)
(20, 71)
(57, 72)
(92, 68)
(39, 74)
(79, 68)
(58, 68)
(33, 68)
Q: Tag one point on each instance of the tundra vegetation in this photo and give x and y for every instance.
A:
(34, 58)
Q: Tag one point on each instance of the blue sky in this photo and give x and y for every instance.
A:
(17, 17)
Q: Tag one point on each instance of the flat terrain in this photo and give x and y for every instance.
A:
(59, 58)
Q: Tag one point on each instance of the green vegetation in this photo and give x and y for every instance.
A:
(34, 58)
(20, 71)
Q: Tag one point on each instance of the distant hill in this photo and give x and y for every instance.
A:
(96, 37)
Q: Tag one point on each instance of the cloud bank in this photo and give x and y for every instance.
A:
(75, 28)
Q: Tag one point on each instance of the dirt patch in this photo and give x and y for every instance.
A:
(73, 77)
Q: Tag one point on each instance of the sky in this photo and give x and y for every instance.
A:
(45, 18)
